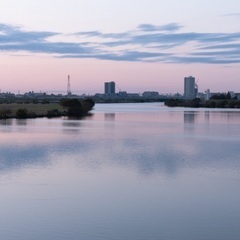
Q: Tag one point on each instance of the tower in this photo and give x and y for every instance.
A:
(190, 89)
(109, 88)
(68, 86)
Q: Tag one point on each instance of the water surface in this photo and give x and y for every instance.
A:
(129, 171)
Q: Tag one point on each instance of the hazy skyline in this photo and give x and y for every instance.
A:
(141, 45)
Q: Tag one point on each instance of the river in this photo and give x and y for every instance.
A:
(127, 172)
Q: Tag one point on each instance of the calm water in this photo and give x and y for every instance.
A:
(128, 172)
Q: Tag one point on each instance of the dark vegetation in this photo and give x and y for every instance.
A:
(183, 103)
(216, 101)
(129, 100)
(76, 107)
(66, 107)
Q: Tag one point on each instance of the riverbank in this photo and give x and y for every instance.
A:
(34, 110)
(197, 103)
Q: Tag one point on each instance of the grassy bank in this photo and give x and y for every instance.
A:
(37, 108)
(66, 107)
(33, 110)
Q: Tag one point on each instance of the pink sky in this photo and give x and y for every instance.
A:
(148, 48)
(37, 74)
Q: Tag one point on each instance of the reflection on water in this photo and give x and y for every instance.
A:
(207, 116)
(130, 171)
(189, 116)
(109, 116)
(189, 120)
(6, 122)
(21, 122)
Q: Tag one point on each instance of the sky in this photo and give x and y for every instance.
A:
(141, 45)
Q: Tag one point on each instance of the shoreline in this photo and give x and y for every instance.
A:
(198, 103)
(65, 108)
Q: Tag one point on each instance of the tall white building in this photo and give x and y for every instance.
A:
(190, 87)
(207, 94)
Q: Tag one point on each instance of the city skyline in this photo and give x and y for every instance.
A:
(139, 45)
(190, 91)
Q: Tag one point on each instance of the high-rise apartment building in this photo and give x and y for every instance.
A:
(190, 87)
(109, 87)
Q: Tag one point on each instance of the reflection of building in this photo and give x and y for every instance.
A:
(109, 116)
(109, 87)
(190, 87)
(189, 116)
(189, 121)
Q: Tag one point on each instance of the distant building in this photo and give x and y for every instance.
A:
(190, 87)
(122, 94)
(232, 94)
(35, 94)
(207, 94)
(109, 87)
(149, 94)
(237, 95)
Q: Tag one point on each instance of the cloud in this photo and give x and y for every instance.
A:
(12, 34)
(222, 46)
(14, 39)
(202, 59)
(131, 56)
(233, 15)
(89, 34)
(152, 28)
(146, 43)
(43, 47)
(102, 35)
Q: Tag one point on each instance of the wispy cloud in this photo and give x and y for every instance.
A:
(153, 28)
(89, 34)
(131, 56)
(233, 15)
(15, 39)
(146, 43)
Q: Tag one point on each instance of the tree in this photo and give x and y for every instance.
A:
(76, 107)
(5, 113)
(22, 113)
(228, 96)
